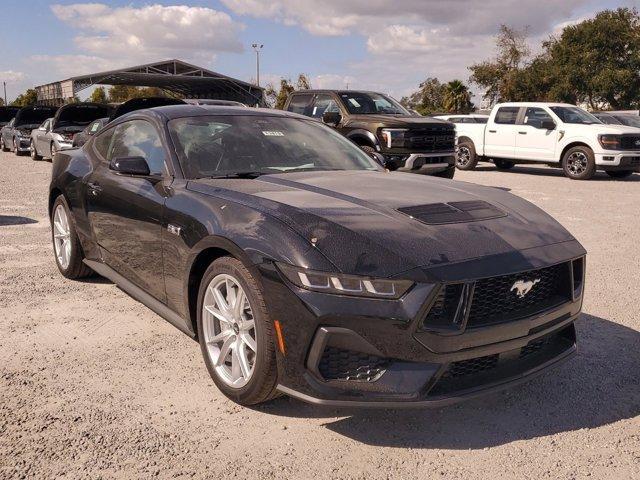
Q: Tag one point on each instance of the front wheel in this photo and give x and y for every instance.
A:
(503, 164)
(34, 151)
(579, 163)
(236, 334)
(53, 150)
(619, 173)
(66, 246)
(3, 146)
(466, 158)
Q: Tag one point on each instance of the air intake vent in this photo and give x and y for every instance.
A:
(453, 212)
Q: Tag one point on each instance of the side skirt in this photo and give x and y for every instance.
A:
(140, 295)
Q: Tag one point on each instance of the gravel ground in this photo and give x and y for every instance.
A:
(95, 385)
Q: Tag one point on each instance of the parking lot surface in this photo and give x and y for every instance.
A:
(95, 385)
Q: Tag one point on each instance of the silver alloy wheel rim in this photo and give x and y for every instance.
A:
(229, 330)
(463, 156)
(577, 163)
(61, 236)
(53, 150)
(32, 149)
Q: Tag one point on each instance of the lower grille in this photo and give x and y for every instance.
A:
(339, 364)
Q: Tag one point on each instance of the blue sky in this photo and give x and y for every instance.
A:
(384, 45)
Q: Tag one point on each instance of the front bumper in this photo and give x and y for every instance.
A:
(421, 163)
(618, 160)
(23, 144)
(346, 351)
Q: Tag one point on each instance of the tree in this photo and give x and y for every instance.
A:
(278, 98)
(429, 98)
(501, 76)
(30, 97)
(1, 102)
(457, 98)
(99, 95)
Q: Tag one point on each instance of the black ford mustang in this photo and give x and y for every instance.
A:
(304, 268)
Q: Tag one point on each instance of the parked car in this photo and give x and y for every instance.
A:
(303, 267)
(555, 134)
(213, 101)
(6, 114)
(79, 139)
(471, 118)
(618, 119)
(16, 135)
(379, 124)
(57, 133)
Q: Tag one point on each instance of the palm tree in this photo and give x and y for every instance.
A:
(457, 98)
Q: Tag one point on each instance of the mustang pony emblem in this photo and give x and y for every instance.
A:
(522, 288)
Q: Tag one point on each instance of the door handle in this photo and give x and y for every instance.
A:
(522, 133)
(493, 131)
(94, 188)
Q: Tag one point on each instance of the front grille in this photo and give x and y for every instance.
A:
(431, 140)
(339, 364)
(630, 142)
(496, 299)
(481, 371)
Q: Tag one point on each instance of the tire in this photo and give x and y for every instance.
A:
(53, 150)
(466, 158)
(620, 173)
(34, 152)
(503, 164)
(3, 147)
(448, 173)
(70, 262)
(578, 163)
(252, 383)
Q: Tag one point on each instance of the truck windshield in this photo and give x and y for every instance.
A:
(364, 103)
(574, 115)
(234, 145)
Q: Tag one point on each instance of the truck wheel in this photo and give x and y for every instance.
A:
(579, 163)
(619, 173)
(466, 158)
(503, 164)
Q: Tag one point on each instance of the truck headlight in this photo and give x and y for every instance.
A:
(610, 142)
(393, 137)
(341, 284)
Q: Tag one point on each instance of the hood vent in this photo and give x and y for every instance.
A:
(453, 212)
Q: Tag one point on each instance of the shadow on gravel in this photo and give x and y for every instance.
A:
(554, 172)
(15, 220)
(598, 387)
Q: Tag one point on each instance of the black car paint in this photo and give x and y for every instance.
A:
(327, 221)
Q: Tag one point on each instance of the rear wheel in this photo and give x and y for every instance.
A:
(3, 146)
(66, 245)
(34, 151)
(53, 150)
(579, 163)
(503, 164)
(466, 158)
(619, 173)
(236, 333)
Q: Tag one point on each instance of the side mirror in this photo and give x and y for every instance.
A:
(547, 124)
(332, 118)
(130, 166)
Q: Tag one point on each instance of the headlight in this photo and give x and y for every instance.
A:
(610, 142)
(340, 284)
(393, 137)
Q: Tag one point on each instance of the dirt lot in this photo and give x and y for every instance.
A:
(94, 385)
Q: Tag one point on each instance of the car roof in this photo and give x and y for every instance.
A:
(171, 112)
(338, 91)
(534, 104)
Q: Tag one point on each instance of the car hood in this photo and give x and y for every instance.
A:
(379, 223)
(613, 129)
(399, 121)
(76, 115)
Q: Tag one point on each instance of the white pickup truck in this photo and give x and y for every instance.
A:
(556, 134)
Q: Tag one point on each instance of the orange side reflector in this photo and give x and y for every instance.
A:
(276, 323)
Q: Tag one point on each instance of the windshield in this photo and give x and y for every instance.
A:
(608, 119)
(574, 115)
(629, 120)
(361, 103)
(215, 146)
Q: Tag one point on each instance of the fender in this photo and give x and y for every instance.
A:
(569, 139)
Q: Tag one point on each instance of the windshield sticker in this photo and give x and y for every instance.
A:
(353, 102)
(272, 133)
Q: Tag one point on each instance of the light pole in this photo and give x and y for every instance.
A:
(257, 47)
(4, 84)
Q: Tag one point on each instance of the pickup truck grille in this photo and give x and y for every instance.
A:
(630, 142)
(431, 140)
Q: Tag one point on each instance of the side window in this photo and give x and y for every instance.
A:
(507, 115)
(323, 103)
(138, 138)
(102, 143)
(534, 116)
(300, 104)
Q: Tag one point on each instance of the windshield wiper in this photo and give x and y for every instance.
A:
(247, 174)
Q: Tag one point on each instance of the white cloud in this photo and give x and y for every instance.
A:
(152, 32)
(11, 76)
